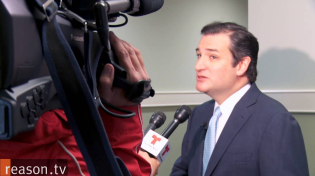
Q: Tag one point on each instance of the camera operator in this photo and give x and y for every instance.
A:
(52, 137)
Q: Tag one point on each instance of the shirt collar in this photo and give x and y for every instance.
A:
(228, 105)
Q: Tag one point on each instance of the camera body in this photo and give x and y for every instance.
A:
(26, 88)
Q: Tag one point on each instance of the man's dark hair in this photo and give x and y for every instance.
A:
(243, 43)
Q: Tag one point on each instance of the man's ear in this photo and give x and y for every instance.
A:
(242, 66)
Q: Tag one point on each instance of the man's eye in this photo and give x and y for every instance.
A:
(198, 55)
(213, 57)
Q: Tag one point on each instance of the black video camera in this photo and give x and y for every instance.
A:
(26, 87)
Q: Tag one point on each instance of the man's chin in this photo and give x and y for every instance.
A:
(201, 89)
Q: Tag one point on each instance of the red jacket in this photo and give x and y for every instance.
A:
(52, 132)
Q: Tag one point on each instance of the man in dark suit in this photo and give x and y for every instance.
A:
(241, 132)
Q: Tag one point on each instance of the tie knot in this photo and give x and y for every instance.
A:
(217, 112)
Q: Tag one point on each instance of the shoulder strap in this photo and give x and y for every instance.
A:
(76, 98)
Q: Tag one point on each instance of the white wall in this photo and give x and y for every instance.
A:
(168, 38)
(286, 33)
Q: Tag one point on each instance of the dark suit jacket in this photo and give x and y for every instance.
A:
(260, 138)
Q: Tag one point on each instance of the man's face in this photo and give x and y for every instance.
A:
(215, 73)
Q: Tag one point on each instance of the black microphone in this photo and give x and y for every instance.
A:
(133, 7)
(156, 121)
(180, 116)
(148, 6)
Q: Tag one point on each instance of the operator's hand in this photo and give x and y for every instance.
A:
(131, 60)
(155, 163)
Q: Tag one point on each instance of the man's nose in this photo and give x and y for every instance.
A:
(200, 64)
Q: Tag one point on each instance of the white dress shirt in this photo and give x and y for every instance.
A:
(227, 107)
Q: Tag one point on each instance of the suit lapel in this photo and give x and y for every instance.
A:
(233, 125)
(237, 119)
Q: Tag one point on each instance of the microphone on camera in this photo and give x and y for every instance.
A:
(133, 7)
(156, 121)
(180, 116)
(148, 6)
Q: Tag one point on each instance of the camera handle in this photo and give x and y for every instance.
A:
(93, 64)
(134, 92)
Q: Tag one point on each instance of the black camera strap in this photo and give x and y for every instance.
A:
(91, 59)
(76, 98)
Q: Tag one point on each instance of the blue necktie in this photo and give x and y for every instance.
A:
(210, 139)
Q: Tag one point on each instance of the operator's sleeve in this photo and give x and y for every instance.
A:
(125, 136)
(52, 138)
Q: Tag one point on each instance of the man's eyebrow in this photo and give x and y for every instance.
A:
(208, 49)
